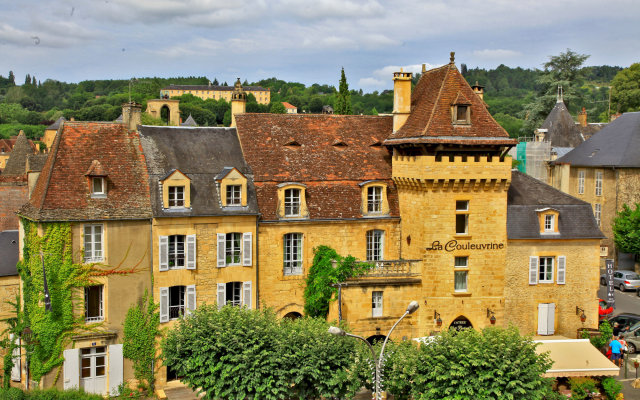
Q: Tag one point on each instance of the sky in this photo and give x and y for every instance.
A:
(304, 41)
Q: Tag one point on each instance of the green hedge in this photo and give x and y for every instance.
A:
(49, 394)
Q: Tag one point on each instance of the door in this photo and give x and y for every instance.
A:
(93, 370)
(546, 318)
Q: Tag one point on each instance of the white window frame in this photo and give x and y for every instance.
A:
(543, 275)
(581, 177)
(100, 316)
(233, 248)
(462, 210)
(245, 250)
(181, 301)
(598, 183)
(375, 245)
(91, 231)
(292, 247)
(292, 202)
(597, 213)
(549, 222)
(244, 295)
(376, 304)
(177, 254)
(176, 196)
(374, 199)
(101, 190)
(461, 268)
(234, 195)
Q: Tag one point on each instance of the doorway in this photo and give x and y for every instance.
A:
(93, 370)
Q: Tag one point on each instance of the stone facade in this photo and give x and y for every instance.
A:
(14, 192)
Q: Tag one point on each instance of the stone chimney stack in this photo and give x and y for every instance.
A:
(401, 98)
(238, 102)
(479, 90)
(132, 115)
(582, 117)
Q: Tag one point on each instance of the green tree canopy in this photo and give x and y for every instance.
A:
(625, 93)
(343, 99)
(277, 108)
(626, 229)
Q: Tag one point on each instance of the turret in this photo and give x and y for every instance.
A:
(238, 102)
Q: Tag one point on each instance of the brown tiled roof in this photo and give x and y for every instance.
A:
(62, 190)
(17, 162)
(330, 154)
(430, 118)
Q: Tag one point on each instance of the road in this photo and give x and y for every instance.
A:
(625, 301)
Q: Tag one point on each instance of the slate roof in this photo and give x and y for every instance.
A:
(56, 124)
(35, 162)
(430, 119)
(201, 154)
(527, 194)
(213, 87)
(62, 190)
(616, 145)
(331, 154)
(17, 162)
(562, 131)
(189, 122)
(9, 250)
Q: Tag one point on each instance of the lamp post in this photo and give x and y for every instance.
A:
(334, 330)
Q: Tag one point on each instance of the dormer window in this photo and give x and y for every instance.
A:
(98, 186)
(176, 191)
(549, 222)
(548, 219)
(232, 185)
(374, 199)
(461, 113)
(234, 195)
(292, 200)
(97, 180)
(176, 196)
(461, 110)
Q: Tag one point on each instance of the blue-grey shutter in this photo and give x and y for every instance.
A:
(163, 253)
(562, 270)
(246, 249)
(222, 295)
(191, 299)
(221, 249)
(191, 251)
(533, 270)
(246, 294)
(116, 368)
(71, 369)
(164, 304)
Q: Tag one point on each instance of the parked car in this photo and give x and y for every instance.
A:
(604, 311)
(623, 280)
(632, 337)
(625, 320)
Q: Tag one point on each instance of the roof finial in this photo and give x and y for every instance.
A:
(560, 94)
(452, 58)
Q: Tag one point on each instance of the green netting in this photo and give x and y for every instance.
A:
(521, 156)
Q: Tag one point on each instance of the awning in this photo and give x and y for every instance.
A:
(575, 357)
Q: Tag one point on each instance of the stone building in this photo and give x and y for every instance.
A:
(216, 92)
(9, 290)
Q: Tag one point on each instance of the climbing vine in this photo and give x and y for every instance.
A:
(15, 325)
(322, 276)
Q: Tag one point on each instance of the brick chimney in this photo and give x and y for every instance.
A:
(582, 117)
(131, 115)
(401, 98)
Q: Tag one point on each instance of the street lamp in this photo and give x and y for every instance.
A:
(334, 330)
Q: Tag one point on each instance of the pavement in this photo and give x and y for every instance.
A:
(630, 393)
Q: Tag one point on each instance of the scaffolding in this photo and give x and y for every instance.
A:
(532, 157)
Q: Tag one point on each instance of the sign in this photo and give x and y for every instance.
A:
(461, 323)
(452, 245)
(611, 298)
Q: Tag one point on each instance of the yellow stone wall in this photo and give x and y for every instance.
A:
(154, 108)
(582, 274)
(9, 289)
(262, 96)
(3, 160)
(48, 137)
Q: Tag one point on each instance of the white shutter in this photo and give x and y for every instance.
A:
(542, 319)
(246, 291)
(246, 249)
(221, 249)
(71, 369)
(116, 368)
(164, 304)
(191, 251)
(191, 299)
(163, 253)
(551, 318)
(562, 267)
(222, 294)
(15, 371)
(533, 270)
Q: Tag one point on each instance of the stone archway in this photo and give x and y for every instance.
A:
(292, 315)
(376, 338)
(460, 323)
(155, 106)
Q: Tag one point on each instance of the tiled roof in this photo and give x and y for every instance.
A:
(17, 162)
(189, 122)
(56, 124)
(562, 131)
(200, 154)
(62, 190)
(213, 87)
(288, 105)
(527, 195)
(35, 162)
(430, 118)
(331, 154)
(8, 253)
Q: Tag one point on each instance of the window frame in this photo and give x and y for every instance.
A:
(462, 216)
(103, 187)
(461, 268)
(292, 198)
(233, 249)
(87, 297)
(236, 286)
(597, 213)
(233, 198)
(374, 199)
(599, 177)
(377, 303)
(549, 222)
(375, 245)
(174, 201)
(181, 300)
(581, 179)
(548, 269)
(176, 251)
(292, 246)
(94, 255)
(457, 108)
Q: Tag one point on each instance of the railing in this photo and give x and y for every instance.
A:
(393, 268)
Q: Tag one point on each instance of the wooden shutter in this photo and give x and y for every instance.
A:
(551, 318)
(221, 249)
(533, 270)
(71, 369)
(191, 299)
(562, 268)
(16, 370)
(542, 319)
(164, 304)
(163, 253)
(246, 249)
(222, 294)
(191, 251)
(246, 294)
(116, 368)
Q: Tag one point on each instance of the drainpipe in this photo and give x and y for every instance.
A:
(153, 363)
(257, 269)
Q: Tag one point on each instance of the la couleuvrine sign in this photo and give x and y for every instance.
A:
(452, 245)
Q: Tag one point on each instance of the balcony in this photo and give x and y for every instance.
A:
(393, 268)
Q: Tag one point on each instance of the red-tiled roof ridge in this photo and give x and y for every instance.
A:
(445, 68)
(288, 105)
(42, 184)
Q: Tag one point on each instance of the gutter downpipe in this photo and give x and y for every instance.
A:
(153, 363)
(257, 253)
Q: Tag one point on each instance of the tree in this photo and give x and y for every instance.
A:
(561, 70)
(12, 78)
(277, 108)
(237, 353)
(215, 81)
(626, 229)
(343, 100)
(27, 79)
(315, 105)
(625, 92)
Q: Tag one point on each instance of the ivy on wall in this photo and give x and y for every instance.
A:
(323, 276)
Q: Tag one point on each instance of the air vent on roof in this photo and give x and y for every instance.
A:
(375, 143)
(339, 143)
(593, 153)
(292, 143)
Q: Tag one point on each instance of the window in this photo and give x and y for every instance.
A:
(176, 251)
(598, 183)
(98, 188)
(234, 195)
(232, 248)
(581, 175)
(233, 294)
(545, 270)
(374, 199)
(597, 212)
(237, 294)
(376, 304)
(461, 274)
(462, 217)
(461, 113)
(176, 196)
(93, 363)
(176, 301)
(93, 306)
(541, 269)
(235, 249)
(293, 254)
(375, 245)
(549, 223)
(291, 202)
(93, 243)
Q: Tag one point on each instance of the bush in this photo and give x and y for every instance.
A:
(49, 394)
(581, 388)
(611, 388)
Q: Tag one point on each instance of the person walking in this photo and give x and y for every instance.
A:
(616, 351)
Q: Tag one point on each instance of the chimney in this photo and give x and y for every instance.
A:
(479, 90)
(582, 117)
(72, 119)
(401, 98)
(238, 102)
(131, 115)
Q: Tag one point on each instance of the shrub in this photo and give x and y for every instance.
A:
(581, 388)
(611, 388)
(49, 394)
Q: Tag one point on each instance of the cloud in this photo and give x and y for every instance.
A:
(373, 82)
(387, 71)
(329, 9)
(496, 53)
